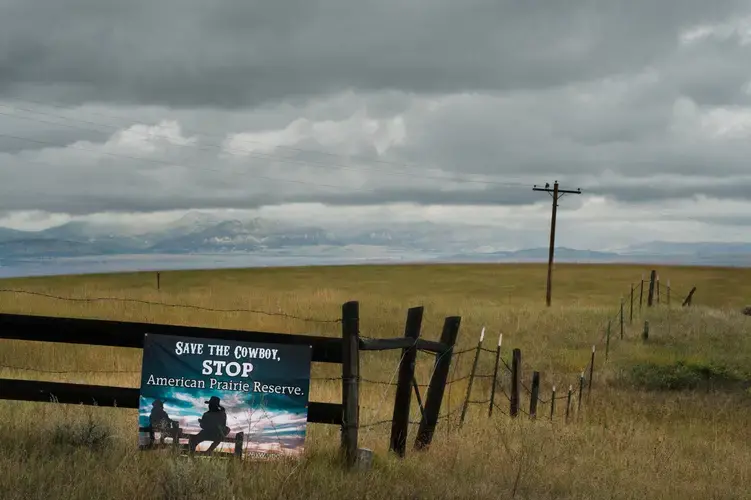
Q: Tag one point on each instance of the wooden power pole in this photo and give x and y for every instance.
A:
(556, 193)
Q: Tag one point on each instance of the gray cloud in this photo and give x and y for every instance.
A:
(244, 53)
(738, 191)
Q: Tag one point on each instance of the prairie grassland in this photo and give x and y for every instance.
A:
(665, 419)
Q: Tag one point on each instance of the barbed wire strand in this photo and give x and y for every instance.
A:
(168, 304)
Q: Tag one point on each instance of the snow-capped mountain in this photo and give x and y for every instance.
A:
(199, 233)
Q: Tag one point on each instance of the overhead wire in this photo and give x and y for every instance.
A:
(240, 153)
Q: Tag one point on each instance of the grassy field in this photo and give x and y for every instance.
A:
(665, 419)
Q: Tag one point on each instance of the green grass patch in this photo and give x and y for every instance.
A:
(684, 375)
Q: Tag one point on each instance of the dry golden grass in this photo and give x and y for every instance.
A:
(632, 439)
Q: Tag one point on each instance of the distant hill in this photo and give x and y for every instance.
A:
(198, 233)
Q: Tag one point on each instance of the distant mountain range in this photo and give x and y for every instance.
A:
(198, 233)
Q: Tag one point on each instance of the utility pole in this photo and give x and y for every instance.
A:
(556, 194)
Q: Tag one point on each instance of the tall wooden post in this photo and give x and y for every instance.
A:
(403, 398)
(437, 384)
(551, 250)
(350, 380)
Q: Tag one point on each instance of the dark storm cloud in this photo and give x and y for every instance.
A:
(230, 53)
(519, 92)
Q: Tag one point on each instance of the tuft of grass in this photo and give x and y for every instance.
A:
(88, 433)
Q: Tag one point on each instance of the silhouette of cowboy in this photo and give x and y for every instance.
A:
(159, 419)
(213, 426)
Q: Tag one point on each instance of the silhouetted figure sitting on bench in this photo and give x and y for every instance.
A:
(159, 419)
(213, 426)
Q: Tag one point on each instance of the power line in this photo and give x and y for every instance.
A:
(209, 134)
(556, 193)
(253, 154)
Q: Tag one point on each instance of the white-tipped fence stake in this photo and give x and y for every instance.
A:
(495, 375)
(472, 377)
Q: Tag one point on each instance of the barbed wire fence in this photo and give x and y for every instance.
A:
(630, 308)
(539, 407)
(174, 305)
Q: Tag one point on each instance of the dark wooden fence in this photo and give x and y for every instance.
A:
(344, 350)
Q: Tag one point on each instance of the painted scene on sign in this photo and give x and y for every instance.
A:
(220, 396)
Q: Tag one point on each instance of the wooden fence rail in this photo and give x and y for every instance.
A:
(176, 434)
(344, 351)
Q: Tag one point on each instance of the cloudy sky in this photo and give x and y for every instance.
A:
(370, 111)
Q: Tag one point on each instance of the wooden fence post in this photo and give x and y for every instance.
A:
(158, 280)
(651, 296)
(645, 332)
(641, 293)
(568, 401)
(689, 297)
(535, 394)
(591, 371)
(621, 318)
(403, 398)
(668, 291)
(472, 377)
(552, 404)
(516, 367)
(631, 305)
(437, 383)
(581, 390)
(350, 380)
(495, 375)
